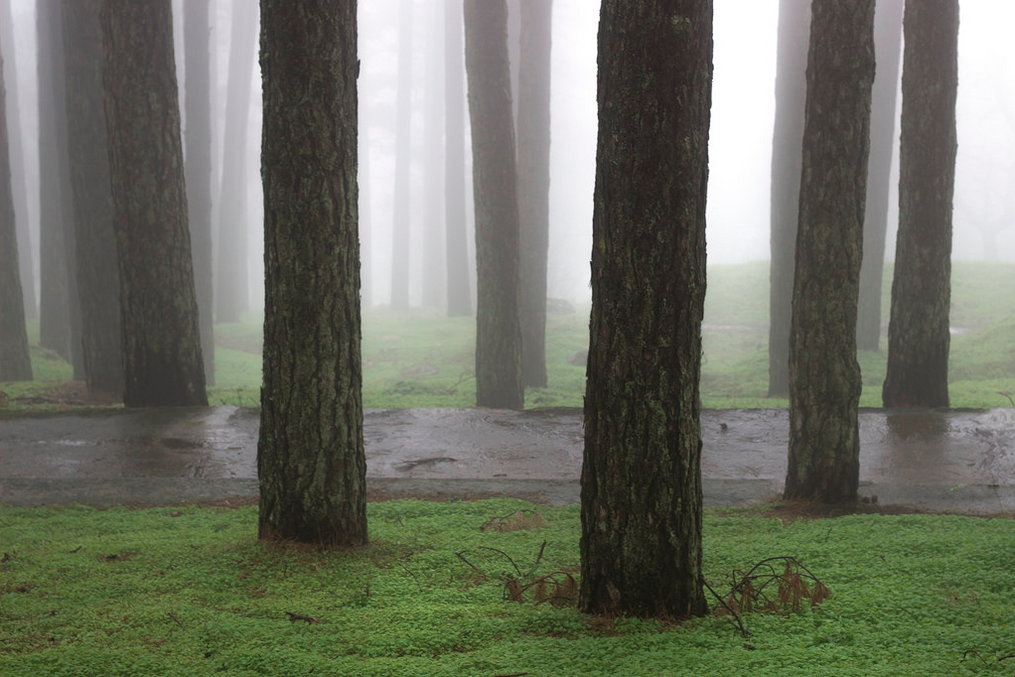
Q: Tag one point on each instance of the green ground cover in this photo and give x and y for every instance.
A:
(189, 591)
(425, 360)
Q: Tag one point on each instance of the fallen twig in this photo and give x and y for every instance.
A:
(293, 617)
(177, 620)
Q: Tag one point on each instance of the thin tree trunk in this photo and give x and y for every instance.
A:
(433, 161)
(400, 228)
(455, 228)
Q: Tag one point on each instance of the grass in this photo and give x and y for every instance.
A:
(425, 360)
(189, 591)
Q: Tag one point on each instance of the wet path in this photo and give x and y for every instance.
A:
(961, 461)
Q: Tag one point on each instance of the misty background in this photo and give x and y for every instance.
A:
(740, 138)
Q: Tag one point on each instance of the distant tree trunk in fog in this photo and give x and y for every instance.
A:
(433, 160)
(98, 280)
(534, 183)
(455, 228)
(641, 475)
(15, 360)
(401, 209)
(310, 457)
(231, 296)
(498, 332)
(824, 376)
(365, 225)
(887, 45)
(19, 186)
(59, 320)
(790, 93)
(198, 144)
(514, 28)
(161, 338)
(918, 338)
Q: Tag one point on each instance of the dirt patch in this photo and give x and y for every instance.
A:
(791, 511)
(62, 395)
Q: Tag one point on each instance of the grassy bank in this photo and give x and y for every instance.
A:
(189, 591)
(425, 360)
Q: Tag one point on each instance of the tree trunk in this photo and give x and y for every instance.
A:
(455, 229)
(310, 457)
(433, 161)
(400, 228)
(918, 332)
(15, 360)
(824, 443)
(98, 282)
(534, 183)
(641, 478)
(197, 139)
(365, 213)
(498, 332)
(887, 44)
(231, 298)
(790, 92)
(161, 339)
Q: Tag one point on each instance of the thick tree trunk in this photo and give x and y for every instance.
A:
(15, 360)
(198, 144)
(400, 228)
(534, 183)
(455, 228)
(824, 443)
(918, 332)
(498, 332)
(98, 281)
(310, 457)
(161, 339)
(641, 477)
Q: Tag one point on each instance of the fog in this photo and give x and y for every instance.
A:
(741, 133)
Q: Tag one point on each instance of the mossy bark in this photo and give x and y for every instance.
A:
(310, 457)
(918, 331)
(641, 473)
(824, 375)
(161, 343)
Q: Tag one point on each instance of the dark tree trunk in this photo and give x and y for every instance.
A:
(310, 457)
(433, 161)
(824, 444)
(887, 44)
(790, 92)
(455, 228)
(498, 332)
(15, 360)
(365, 224)
(918, 338)
(231, 296)
(161, 339)
(19, 186)
(400, 228)
(534, 183)
(641, 477)
(197, 140)
(98, 281)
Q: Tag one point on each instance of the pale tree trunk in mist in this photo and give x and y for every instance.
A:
(400, 227)
(98, 280)
(198, 144)
(790, 93)
(19, 186)
(455, 229)
(534, 183)
(231, 296)
(498, 333)
(161, 338)
(15, 360)
(433, 160)
(824, 441)
(887, 44)
(918, 331)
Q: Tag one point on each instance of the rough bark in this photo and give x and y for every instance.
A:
(641, 476)
(161, 339)
(887, 47)
(498, 332)
(310, 457)
(198, 144)
(455, 228)
(401, 212)
(534, 183)
(15, 360)
(98, 281)
(918, 331)
(824, 444)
